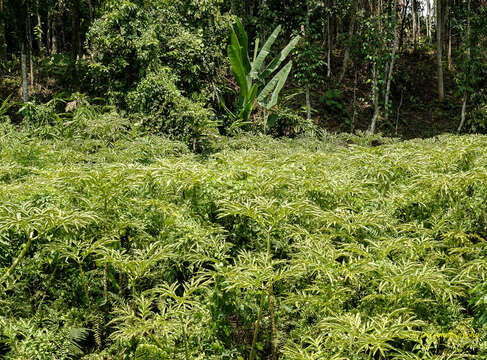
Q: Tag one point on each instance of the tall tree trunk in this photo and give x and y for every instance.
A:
(391, 67)
(403, 16)
(418, 32)
(48, 33)
(444, 22)
(308, 103)
(439, 51)
(55, 43)
(354, 104)
(413, 15)
(464, 110)
(28, 30)
(469, 54)
(75, 40)
(308, 38)
(375, 94)
(450, 62)
(351, 27)
(428, 19)
(91, 11)
(25, 80)
(328, 60)
(3, 34)
(39, 28)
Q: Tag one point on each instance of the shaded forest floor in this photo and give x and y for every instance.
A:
(420, 115)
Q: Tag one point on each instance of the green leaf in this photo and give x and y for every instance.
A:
(249, 104)
(277, 61)
(244, 44)
(227, 110)
(268, 96)
(256, 48)
(234, 54)
(258, 63)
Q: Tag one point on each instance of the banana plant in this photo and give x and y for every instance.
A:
(252, 75)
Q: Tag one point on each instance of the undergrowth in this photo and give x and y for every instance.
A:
(119, 246)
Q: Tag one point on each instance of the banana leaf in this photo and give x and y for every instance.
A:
(277, 61)
(269, 94)
(259, 61)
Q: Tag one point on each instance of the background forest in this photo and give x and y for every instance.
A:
(408, 68)
(237, 179)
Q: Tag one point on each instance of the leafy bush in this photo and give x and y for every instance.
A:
(145, 51)
(163, 108)
(337, 249)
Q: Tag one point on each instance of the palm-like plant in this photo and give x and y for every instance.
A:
(252, 76)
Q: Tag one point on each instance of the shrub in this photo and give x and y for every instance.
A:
(357, 249)
(164, 109)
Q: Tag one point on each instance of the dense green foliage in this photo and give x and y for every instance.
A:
(165, 63)
(168, 190)
(115, 245)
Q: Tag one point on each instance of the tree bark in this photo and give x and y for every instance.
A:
(464, 110)
(469, 54)
(375, 94)
(28, 30)
(450, 62)
(39, 27)
(328, 60)
(3, 34)
(308, 38)
(75, 39)
(391, 67)
(54, 35)
(25, 80)
(351, 27)
(439, 51)
(413, 15)
(91, 11)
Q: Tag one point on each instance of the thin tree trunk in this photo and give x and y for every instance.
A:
(450, 62)
(391, 67)
(30, 47)
(444, 22)
(75, 39)
(403, 16)
(39, 35)
(469, 54)
(413, 15)
(328, 73)
(399, 111)
(419, 35)
(351, 27)
(439, 51)
(25, 80)
(375, 92)
(464, 109)
(3, 34)
(308, 38)
(48, 33)
(354, 104)
(54, 36)
(308, 103)
(91, 11)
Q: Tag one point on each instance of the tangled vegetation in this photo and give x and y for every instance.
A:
(120, 246)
